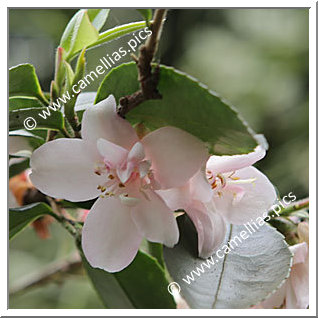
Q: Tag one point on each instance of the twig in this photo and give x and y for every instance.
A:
(53, 273)
(148, 80)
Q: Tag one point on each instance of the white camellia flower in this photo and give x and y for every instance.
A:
(228, 190)
(112, 163)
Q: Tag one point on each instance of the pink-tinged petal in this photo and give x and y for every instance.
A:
(124, 172)
(299, 278)
(176, 198)
(110, 239)
(259, 196)
(221, 164)
(112, 153)
(64, 169)
(102, 121)
(175, 155)
(300, 252)
(137, 153)
(210, 227)
(200, 188)
(155, 220)
(196, 189)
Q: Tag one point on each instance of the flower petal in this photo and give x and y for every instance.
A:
(300, 252)
(137, 153)
(200, 188)
(175, 155)
(259, 196)
(64, 169)
(102, 121)
(110, 239)
(155, 220)
(176, 198)
(299, 278)
(111, 152)
(221, 164)
(210, 227)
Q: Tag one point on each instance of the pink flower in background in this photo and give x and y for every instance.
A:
(228, 190)
(110, 161)
(294, 293)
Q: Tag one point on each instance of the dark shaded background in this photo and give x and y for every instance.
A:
(255, 58)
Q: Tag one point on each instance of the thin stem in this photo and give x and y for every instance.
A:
(296, 206)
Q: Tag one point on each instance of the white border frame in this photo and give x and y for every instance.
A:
(312, 161)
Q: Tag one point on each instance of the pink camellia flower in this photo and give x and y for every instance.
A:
(228, 190)
(294, 293)
(112, 163)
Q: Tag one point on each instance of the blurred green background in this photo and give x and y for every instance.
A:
(257, 59)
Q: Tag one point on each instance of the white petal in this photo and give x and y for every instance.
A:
(102, 121)
(221, 164)
(110, 239)
(176, 198)
(64, 169)
(175, 155)
(259, 196)
(300, 252)
(200, 188)
(210, 227)
(112, 153)
(155, 220)
(137, 152)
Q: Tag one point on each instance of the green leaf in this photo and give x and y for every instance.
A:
(98, 17)
(23, 140)
(79, 33)
(24, 82)
(17, 118)
(186, 104)
(146, 13)
(17, 102)
(118, 32)
(20, 217)
(251, 270)
(141, 285)
(18, 167)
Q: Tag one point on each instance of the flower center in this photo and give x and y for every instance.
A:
(229, 181)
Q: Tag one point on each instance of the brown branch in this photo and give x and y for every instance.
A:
(147, 78)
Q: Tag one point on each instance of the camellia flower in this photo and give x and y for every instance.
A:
(228, 190)
(294, 293)
(112, 163)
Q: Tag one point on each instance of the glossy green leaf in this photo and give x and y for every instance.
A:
(186, 104)
(30, 117)
(18, 102)
(24, 82)
(118, 32)
(79, 33)
(98, 17)
(141, 285)
(18, 167)
(146, 13)
(20, 140)
(250, 271)
(20, 217)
